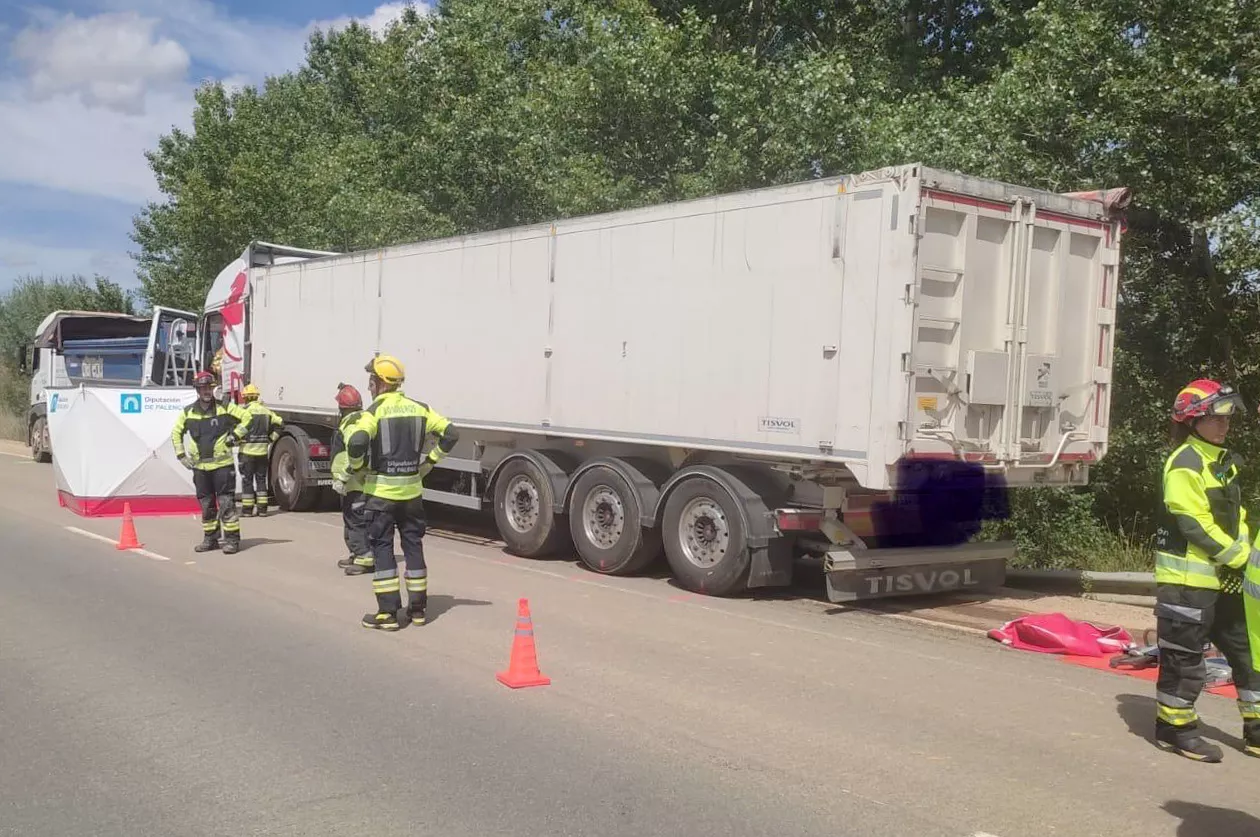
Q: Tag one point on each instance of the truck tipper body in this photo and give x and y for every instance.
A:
(855, 368)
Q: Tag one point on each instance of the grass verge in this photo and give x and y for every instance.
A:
(12, 426)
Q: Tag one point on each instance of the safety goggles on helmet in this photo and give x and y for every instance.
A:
(1225, 403)
(1207, 398)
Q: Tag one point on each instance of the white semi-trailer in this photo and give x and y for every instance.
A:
(848, 368)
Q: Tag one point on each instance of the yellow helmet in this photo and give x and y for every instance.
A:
(250, 392)
(388, 368)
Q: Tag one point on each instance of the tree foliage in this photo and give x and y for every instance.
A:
(487, 115)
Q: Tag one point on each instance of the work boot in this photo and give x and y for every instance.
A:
(1186, 741)
(346, 562)
(416, 614)
(381, 621)
(1251, 737)
(231, 546)
(247, 511)
(208, 543)
(262, 511)
(356, 568)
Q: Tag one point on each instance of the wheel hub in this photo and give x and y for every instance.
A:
(286, 473)
(523, 505)
(704, 532)
(603, 517)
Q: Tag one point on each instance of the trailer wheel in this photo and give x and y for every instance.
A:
(288, 480)
(523, 510)
(705, 541)
(41, 449)
(605, 516)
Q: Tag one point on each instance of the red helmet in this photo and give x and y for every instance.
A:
(1205, 397)
(348, 397)
(203, 379)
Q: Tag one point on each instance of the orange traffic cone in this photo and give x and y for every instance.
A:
(128, 540)
(523, 667)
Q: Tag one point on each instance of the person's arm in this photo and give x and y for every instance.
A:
(243, 419)
(177, 433)
(1186, 499)
(359, 437)
(276, 424)
(446, 433)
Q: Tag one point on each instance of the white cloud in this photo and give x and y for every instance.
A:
(239, 46)
(99, 91)
(380, 19)
(19, 258)
(107, 61)
(59, 142)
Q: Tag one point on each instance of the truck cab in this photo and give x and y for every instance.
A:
(103, 349)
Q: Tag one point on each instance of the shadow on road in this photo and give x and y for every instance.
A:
(1138, 711)
(246, 543)
(440, 604)
(1207, 821)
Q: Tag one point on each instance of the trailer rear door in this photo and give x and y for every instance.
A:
(1015, 305)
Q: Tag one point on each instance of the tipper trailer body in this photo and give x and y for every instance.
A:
(855, 368)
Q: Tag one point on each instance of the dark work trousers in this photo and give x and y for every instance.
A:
(354, 524)
(216, 493)
(407, 516)
(254, 482)
(1186, 619)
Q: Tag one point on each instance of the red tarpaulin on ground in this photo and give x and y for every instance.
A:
(1054, 633)
(1150, 675)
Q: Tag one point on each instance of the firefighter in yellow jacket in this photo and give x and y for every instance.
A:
(1202, 548)
(264, 429)
(386, 444)
(214, 429)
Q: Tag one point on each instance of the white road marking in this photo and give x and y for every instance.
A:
(104, 539)
(966, 629)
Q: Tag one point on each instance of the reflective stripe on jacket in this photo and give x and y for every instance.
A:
(263, 429)
(388, 439)
(1205, 525)
(208, 430)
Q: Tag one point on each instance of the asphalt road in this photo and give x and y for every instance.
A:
(168, 693)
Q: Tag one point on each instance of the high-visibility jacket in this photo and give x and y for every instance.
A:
(341, 457)
(1251, 602)
(263, 429)
(388, 440)
(208, 429)
(1205, 525)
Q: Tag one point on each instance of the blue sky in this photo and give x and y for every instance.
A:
(86, 86)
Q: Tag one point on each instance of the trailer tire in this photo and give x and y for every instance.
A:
(705, 540)
(38, 438)
(524, 503)
(288, 481)
(605, 522)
